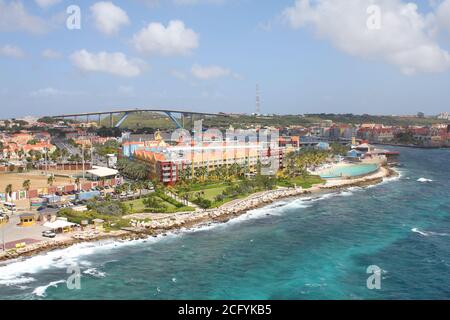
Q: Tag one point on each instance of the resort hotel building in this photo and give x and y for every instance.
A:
(167, 162)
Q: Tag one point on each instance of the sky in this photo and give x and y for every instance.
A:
(308, 56)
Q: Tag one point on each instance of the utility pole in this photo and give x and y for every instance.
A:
(92, 155)
(82, 159)
(46, 161)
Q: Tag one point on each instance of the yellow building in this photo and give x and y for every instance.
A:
(27, 220)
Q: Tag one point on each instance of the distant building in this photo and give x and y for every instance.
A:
(443, 116)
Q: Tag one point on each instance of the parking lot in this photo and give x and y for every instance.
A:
(13, 233)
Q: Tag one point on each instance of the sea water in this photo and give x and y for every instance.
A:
(305, 248)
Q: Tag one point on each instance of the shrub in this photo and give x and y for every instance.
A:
(202, 202)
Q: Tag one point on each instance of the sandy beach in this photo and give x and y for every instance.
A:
(147, 224)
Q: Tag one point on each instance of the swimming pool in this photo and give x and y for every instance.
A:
(351, 170)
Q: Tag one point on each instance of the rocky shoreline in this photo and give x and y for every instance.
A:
(141, 229)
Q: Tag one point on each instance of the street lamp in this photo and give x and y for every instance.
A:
(3, 235)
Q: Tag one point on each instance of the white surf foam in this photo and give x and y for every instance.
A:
(429, 233)
(95, 273)
(424, 180)
(422, 233)
(41, 291)
(16, 282)
(20, 271)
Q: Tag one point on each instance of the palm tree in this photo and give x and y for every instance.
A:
(26, 185)
(51, 180)
(9, 190)
(234, 170)
(77, 182)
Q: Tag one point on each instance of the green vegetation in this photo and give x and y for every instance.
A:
(133, 169)
(296, 163)
(111, 222)
(225, 184)
(108, 208)
(305, 182)
(386, 120)
(107, 132)
(159, 202)
(109, 211)
(33, 142)
(210, 197)
(109, 147)
(339, 149)
(405, 138)
(142, 120)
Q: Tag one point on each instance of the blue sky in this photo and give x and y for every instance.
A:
(307, 57)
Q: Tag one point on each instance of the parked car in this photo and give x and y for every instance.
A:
(48, 234)
(42, 208)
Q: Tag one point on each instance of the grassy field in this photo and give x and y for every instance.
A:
(306, 182)
(143, 120)
(211, 193)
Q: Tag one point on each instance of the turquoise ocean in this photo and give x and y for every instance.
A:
(304, 248)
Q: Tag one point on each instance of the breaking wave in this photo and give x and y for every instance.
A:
(41, 291)
(429, 233)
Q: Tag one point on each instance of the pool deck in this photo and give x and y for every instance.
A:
(381, 173)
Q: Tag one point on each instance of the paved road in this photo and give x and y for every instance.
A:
(62, 144)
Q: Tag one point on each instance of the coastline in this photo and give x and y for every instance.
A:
(415, 146)
(188, 220)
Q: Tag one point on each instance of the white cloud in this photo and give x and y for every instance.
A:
(46, 3)
(51, 54)
(108, 17)
(176, 39)
(14, 17)
(12, 52)
(209, 72)
(113, 63)
(443, 15)
(405, 39)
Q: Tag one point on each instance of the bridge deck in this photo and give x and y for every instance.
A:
(84, 114)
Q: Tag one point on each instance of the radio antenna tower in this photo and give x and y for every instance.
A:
(258, 100)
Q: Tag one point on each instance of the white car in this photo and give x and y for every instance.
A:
(48, 234)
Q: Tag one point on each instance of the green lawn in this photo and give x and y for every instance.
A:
(211, 193)
(139, 207)
(304, 182)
